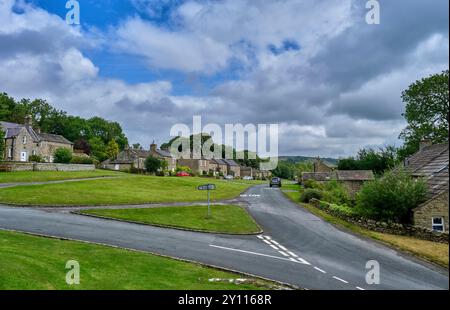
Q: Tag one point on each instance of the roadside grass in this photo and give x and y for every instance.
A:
(43, 176)
(224, 218)
(131, 189)
(38, 263)
(435, 252)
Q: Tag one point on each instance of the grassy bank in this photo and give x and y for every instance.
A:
(43, 176)
(29, 262)
(433, 251)
(131, 189)
(223, 219)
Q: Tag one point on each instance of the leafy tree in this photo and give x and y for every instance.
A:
(112, 149)
(137, 146)
(378, 161)
(427, 112)
(82, 144)
(153, 164)
(284, 170)
(62, 155)
(392, 197)
(98, 148)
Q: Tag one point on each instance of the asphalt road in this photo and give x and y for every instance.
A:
(296, 247)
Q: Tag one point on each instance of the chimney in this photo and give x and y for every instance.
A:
(153, 147)
(316, 164)
(28, 121)
(38, 130)
(424, 143)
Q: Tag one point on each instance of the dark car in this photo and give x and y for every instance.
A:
(275, 182)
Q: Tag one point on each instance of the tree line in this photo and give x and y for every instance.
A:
(95, 136)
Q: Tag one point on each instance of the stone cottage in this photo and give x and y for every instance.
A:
(135, 158)
(431, 164)
(197, 166)
(351, 179)
(233, 168)
(22, 141)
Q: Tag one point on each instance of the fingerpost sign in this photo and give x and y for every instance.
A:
(207, 188)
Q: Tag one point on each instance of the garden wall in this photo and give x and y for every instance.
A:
(18, 166)
(389, 228)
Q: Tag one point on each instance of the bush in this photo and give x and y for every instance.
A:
(391, 198)
(312, 184)
(335, 192)
(82, 160)
(183, 169)
(153, 164)
(309, 194)
(342, 210)
(62, 155)
(36, 159)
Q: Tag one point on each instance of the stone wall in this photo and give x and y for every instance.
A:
(389, 228)
(18, 166)
(437, 207)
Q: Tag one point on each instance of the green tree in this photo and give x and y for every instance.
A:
(427, 112)
(378, 161)
(112, 149)
(392, 197)
(62, 155)
(98, 149)
(153, 164)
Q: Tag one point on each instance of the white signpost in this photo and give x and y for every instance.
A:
(208, 188)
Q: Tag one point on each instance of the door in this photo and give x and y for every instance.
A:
(23, 156)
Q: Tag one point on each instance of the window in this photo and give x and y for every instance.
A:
(438, 224)
(24, 139)
(33, 152)
(10, 152)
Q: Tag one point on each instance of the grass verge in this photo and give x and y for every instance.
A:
(130, 189)
(44, 176)
(228, 219)
(435, 252)
(38, 263)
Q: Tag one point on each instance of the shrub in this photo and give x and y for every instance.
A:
(335, 192)
(312, 184)
(392, 197)
(183, 169)
(309, 194)
(153, 164)
(342, 210)
(36, 158)
(62, 155)
(82, 160)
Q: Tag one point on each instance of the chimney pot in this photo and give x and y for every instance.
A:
(28, 121)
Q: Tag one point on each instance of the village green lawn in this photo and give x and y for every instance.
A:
(433, 251)
(223, 219)
(132, 189)
(43, 176)
(30, 263)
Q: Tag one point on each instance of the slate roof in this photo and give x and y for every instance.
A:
(164, 153)
(431, 163)
(230, 162)
(13, 129)
(341, 175)
(219, 161)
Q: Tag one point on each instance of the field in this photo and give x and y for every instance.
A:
(129, 189)
(38, 263)
(223, 219)
(43, 176)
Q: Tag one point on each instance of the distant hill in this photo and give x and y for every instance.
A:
(297, 159)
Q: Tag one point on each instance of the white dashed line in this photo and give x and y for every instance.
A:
(273, 247)
(292, 254)
(282, 253)
(318, 269)
(360, 288)
(282, 247)
(268, 237)
(339, 279)
(260, 237)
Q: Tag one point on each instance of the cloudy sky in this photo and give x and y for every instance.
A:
(330, 80)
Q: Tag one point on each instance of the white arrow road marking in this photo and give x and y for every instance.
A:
(255, 253)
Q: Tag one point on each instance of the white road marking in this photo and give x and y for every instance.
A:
(339, 279)
(282, 247)
(273, 247)
(265, 241)
(360, 288)
(282, 253)
(292, 254)
(318, 269)
(267, 237)
(274, 242)
(254, 253)
(260, 237)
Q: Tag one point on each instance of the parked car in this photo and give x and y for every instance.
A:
(275, 182)
(247, 178)
(183, 174)
(228, 177)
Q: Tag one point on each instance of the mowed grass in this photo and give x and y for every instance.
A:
(130, 189)
(43, 176)
(38, 263)
(435, 252)
(223, 219)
